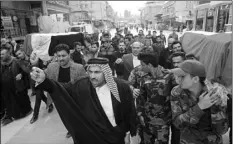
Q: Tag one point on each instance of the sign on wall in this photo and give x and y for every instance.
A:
(7, 22)
(210, 12)
(201, 13)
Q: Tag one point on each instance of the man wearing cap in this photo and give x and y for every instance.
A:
(96, 109)
(198, 106)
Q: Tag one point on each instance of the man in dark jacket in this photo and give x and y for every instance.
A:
(118, 55)
(14, 87)
(165, 54)
(76, 56)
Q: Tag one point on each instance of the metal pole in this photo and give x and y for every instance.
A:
(101, 12)
(44, 8)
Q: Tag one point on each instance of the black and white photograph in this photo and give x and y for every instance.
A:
(116, 72)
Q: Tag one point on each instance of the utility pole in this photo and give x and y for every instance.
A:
(44, 8)
(101, 12)
(91, 12)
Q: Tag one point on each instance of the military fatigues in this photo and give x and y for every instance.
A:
(153, 105)
(197, 126)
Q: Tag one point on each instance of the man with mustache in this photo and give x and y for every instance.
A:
(63, 71)
(118, 55)
(95, 109)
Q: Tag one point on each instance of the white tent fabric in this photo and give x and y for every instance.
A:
(40, 44)
(49, 24)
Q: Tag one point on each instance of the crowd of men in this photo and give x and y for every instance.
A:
(126, 89)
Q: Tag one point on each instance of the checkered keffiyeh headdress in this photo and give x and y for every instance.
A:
(103, 64)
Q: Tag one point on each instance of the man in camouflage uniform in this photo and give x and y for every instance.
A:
(197, 109)
(153, 105)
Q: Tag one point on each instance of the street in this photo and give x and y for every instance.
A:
(48, 129)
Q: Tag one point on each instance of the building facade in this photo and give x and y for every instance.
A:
(176, 13)
(80, 11)
(19, 18)
(215, 16)
(92, 11)
(149, 12)
(127, 14)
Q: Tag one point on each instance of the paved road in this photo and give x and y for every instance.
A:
(48, 129)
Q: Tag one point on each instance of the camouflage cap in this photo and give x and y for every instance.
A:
(192, 67)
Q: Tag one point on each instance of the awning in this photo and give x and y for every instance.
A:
(202, 6)
(216, 3)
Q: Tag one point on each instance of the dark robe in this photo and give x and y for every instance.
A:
(83, 116)
(164, 60)
(16, 100)
(119, 68)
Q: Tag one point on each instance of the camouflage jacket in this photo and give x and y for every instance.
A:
(197, 126)
(153, 102)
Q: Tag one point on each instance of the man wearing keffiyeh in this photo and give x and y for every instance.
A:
(96, 108)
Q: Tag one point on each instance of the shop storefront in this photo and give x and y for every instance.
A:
(200, 19)
(210, 20)
(213, 17)
(17, 23)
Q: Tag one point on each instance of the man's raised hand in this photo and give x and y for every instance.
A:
(37, 75)
(34, 58)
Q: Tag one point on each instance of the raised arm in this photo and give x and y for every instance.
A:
(49, 85)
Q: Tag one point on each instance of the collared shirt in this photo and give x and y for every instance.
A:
(15, 46)
(136, 62)
(105, 98)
